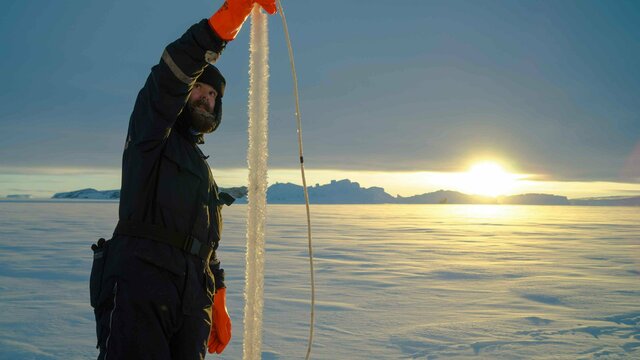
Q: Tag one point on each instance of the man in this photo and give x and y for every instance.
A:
(153, 284)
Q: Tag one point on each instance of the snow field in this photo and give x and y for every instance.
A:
(393, 281)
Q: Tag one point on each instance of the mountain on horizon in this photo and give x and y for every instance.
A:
(89, 193)
(348, 192)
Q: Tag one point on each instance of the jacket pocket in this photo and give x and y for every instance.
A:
(179, 185)
(100, 252)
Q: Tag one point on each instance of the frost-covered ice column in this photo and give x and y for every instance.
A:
(257, 161)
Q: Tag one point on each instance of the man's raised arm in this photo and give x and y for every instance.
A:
(167, 88)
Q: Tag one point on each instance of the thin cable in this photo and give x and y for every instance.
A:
(304, 180)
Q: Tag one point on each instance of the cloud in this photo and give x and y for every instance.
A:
(58, 171)
(449, 85)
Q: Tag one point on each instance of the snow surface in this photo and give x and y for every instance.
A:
(393, 281)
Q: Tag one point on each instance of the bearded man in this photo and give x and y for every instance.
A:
(157, 287)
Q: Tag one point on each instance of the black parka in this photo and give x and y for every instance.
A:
(153, 299)
(166, 180)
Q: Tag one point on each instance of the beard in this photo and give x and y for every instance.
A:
(202, 121)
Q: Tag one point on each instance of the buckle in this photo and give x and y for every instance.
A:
(192, 245)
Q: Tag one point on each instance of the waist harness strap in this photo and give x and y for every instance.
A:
(188, 243)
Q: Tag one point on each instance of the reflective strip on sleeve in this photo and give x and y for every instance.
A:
(175, 69)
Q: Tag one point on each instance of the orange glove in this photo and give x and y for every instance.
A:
(228, 20)
(220, 334)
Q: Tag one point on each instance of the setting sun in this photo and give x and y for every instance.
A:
(489, 179)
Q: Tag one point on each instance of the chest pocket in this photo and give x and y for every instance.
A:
(182, 186)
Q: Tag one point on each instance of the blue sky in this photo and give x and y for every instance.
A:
(547, 88)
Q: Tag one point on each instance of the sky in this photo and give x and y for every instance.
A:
(405, 95)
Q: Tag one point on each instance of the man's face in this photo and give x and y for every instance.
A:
(203, 96)
(201, 103)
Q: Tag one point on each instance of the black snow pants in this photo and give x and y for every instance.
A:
(151, 301)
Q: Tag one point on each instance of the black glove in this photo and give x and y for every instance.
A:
(218, 273)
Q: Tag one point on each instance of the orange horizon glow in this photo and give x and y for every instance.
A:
(43, 182)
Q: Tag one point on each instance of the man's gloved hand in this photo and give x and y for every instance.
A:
(228, 20)
(220, 334)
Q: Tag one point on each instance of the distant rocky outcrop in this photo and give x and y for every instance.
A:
(19, 196)
(89, 194)
(445, 197)
(336, 192)
(608, 201)
(533, 199)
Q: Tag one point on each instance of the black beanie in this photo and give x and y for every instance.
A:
(212, 76)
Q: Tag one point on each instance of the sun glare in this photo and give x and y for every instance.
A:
(489, 179)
